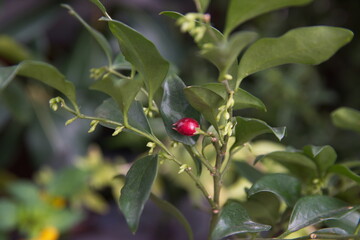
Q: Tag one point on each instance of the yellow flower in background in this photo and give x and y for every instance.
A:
(48, 233)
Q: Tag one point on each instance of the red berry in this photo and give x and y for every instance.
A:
(186, 126)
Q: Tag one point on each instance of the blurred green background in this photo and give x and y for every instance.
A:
(32, 136)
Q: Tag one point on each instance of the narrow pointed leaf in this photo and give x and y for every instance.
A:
(346, 118)
(100, 39)
(204, 101)
(172, 210)
(240, 11)
(242, 98)
(324, 157)
(248, 128)
(99, 5)
(142, 54)
(234, 219)
(42, 72)
(296, 162)
(284, 186)
(311, 210)
(174, 106)
(136, 191)
(344, 171)
(123, 91)
(110, 110)
(306, 45)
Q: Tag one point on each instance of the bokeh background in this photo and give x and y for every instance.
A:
(32, 136)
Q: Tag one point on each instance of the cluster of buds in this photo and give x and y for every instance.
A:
(54, 103)
(183, 168)
(224, 114)
(97, 73)
(194, 24)
(152, 146)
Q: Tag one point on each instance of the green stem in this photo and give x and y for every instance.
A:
(151, 138)
(116, 73)
(195, 153)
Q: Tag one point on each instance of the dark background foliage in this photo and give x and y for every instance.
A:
(299, 97)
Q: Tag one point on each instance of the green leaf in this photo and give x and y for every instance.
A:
(123, 91)
(8, 215)
(324, 157)
(297, 163)
(311, 210)
(333, 231)
(247, 171)
(344, 171)
(174, 107)
(240, 11)
(65, 219)
(286, 187)
(24, 191)
(41, 71)
(233, 219)
(346, 118)
(136, 191)
(142, 54)
(100, 6)
(202, 5)
(101, 40)
(242, 98)
(68, 182)
(306, 45)
(224, 54)
(248, 128)
(205, 101)
(12, 51)
(172, 210)
(110, 110)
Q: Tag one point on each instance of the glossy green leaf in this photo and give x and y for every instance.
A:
(286, 187)
(344, 171)
(142, 54)
(306, 45)
(136, 191)
(8, 215)
(174, 107)
(240, 11)
(110, 110)
(224, 54)
(248, 128)
(202, 5)
(205, 101)
(311, 210)
(100, 6)
(101, 40)
(346, 118)
(123, 91)
(172, 210)
(263, 207)
(324, 157)
(40, 71)
(233, 219)
(297, 163)
(333, 231)
(242, 98)
(247, 171)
